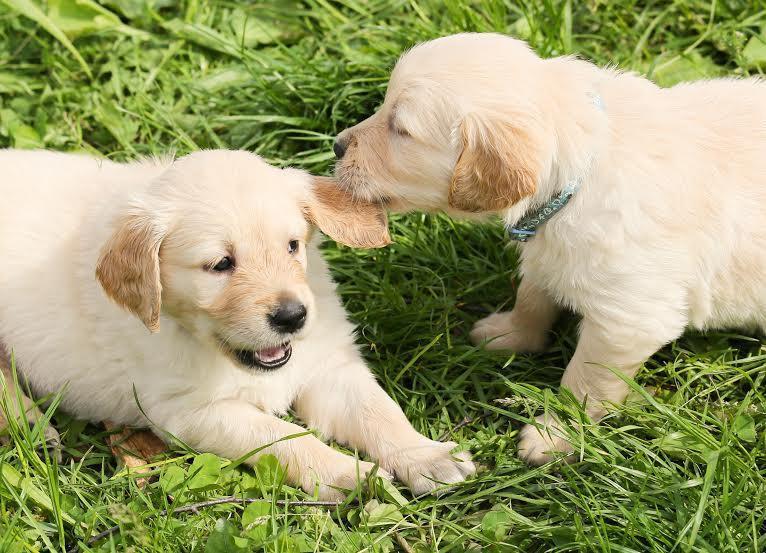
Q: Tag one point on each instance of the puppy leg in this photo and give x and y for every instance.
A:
(347, 404)
(525, 328)
(134, 448)
(20, 407)
(233, 428)
(605, 344)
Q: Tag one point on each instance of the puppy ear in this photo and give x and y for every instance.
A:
(498, 166)
(346, 219)
(129, 268)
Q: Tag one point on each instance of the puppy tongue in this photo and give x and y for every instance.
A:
(269, 355)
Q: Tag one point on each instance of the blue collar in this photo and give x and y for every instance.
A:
(526, 227)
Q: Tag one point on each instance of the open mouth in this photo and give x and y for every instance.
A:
(266, 358)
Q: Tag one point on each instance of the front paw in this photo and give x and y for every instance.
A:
(543, 443)
(50, 442)
(428, 465)
(503, 331)
(339, 476)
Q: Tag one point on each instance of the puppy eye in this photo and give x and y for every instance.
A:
(401, 132)
(223, 265)
(292, 246)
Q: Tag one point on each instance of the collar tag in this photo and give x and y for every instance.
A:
(597, 101)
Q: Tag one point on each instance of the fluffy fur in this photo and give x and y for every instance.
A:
(666, 232)
(107, 287)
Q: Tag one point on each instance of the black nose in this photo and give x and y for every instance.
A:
(339, 147)
(290, 316)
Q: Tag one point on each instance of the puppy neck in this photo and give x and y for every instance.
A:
(579, 121)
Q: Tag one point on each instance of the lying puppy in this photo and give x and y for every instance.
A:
(665, 226)
(212, 253)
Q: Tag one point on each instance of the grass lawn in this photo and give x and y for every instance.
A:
(680, 467)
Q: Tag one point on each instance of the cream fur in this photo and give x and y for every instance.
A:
(667, 231)
(57, 214)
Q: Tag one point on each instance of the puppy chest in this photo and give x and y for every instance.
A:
(269, 392)
(560, 272)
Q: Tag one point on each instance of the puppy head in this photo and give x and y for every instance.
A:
(218, 243)
(462, 128)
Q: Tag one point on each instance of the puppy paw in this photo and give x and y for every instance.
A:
(539, 445)
(51, 442)
(503, 331)
(342, 475)
(428, 465)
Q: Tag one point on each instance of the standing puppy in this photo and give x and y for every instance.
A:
(640, 208)
(195, 284)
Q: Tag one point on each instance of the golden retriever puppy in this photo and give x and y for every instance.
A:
(196, 283)
(640, 208)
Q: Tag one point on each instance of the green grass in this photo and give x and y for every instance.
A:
(682, 469)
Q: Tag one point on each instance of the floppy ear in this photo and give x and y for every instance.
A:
(499, 165)
(129, 268)
(346, 219)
